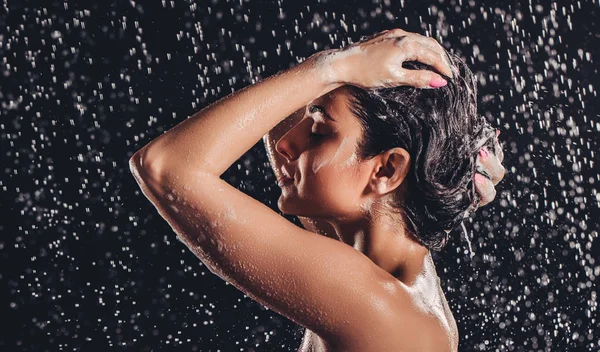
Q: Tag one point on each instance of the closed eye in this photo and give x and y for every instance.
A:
(315, 108)
(321, 110)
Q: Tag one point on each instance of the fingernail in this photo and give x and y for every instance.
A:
(497, 133)
(483, 152)
(437, 82)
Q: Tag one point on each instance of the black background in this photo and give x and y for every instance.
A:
(88, 264)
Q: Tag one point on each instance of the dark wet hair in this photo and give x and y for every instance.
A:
(442, 132)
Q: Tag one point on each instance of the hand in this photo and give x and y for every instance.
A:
(376, 61)
(489, 172)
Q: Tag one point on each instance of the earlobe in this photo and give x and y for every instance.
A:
(378, 184)
(382, 187)
(394, 167)
(382, 184)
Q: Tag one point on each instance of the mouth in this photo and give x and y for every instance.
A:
(284, 181)
(284, 178)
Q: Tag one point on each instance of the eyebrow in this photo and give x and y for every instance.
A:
(322, 111)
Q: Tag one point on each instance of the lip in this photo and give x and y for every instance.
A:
(284, 181)
(284, 177)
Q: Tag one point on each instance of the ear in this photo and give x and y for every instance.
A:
(390, 170)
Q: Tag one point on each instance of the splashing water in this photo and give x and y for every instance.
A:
(466, 236)
(89, 262)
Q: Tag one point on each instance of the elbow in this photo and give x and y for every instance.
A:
(156, 170)
(145, 170)
(135, 162)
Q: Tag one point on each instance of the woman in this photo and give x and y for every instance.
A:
(374, 289)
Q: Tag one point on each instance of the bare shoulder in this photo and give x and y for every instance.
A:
(410, 327)
(405, 324)
(421, 324)
(427, 337)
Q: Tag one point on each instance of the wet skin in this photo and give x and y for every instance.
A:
(327, 176)
(286, 144)
(374, 289)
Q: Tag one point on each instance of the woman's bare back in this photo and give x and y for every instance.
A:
(445, 341)
(428, 326)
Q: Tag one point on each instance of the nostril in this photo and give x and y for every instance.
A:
(282, 149)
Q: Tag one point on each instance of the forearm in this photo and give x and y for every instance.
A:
(211, 140)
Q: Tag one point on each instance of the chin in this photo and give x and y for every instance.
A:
(289, 206)
(284, 206)
(289, 209)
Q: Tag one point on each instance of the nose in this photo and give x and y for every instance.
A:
(290, 144)
(285, 147)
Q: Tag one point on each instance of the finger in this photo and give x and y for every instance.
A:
(420, 78)
(485, 188)
(434, 45)
(489, 165)
(389, 34)
(415, 51)
(497, 170)
(498, 150)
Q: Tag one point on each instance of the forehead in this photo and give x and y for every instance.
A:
(336, 102)
(339, 94)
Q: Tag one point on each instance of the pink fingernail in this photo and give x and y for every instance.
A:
(483, 152)
(437, 82)
(497, 133)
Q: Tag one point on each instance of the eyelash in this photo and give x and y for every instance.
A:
(313, 135)
(316, 135)
(314, 108)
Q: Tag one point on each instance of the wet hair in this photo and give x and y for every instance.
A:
(442, 132)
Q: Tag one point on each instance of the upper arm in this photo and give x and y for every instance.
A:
(318, 282)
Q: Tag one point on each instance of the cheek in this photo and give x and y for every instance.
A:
(331, 172)
(334, 184)
(334, 153)
(337, 165)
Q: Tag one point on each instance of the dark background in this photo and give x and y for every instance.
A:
(88, 264)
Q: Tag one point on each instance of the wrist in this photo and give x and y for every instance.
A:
(329, 67)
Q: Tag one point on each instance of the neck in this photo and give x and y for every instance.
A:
(385, 241)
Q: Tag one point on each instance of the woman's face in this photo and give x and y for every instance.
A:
(320, 155)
